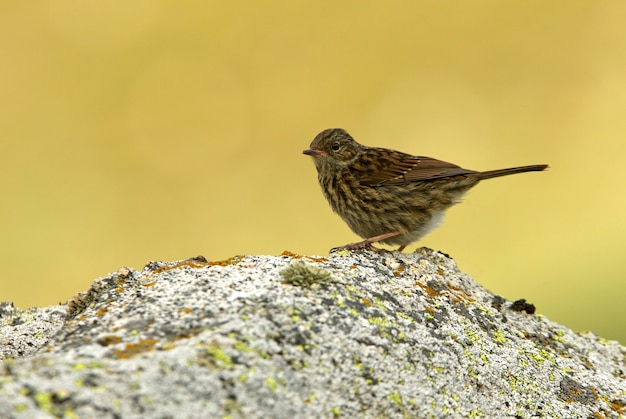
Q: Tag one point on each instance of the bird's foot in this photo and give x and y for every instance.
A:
(367, 244)
(364, 245)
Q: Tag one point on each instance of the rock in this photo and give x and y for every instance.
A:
(352, 335)
(23, 332)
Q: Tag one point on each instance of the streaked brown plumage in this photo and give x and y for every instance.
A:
(388, 196)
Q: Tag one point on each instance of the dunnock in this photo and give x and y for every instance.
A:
(388, 196)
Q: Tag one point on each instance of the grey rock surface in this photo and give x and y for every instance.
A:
(352, 335)
(23, 332)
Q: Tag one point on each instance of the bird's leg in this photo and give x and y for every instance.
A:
(367, 243)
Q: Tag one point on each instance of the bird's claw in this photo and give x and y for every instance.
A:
(364, 245)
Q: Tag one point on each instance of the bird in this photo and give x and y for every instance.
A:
(388, 196)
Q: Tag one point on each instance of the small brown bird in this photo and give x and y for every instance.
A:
(388, 196)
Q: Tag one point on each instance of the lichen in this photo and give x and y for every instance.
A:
(20, 407)
(220, 357)
(302, 275)
(271, 383)
(44, 401)
(134, 349)
(498, 336)
(395, 398)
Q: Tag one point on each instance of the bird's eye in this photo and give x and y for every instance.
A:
(335, 146)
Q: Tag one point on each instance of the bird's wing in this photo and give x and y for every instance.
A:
(399, 168)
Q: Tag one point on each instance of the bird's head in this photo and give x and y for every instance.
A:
(333, 150)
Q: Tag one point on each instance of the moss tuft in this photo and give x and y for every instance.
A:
(302, 275)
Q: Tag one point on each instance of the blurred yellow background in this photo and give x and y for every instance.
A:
(158, 130)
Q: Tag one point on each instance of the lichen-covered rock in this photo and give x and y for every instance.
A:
(23, 332)
(352, 335)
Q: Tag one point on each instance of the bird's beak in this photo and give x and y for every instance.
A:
(312, 152)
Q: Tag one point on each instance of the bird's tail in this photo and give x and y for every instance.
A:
(511, 171)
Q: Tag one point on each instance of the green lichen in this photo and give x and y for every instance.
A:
(79, 366)
(405, 316)
(379, 321)
(302, 275)
(438, 370)
(498, 336)
(484, 309)
(335, 411)
(70, 414)
(242, 347)
(472, 336)
(379, 303)
(305, 347)
(559, 337)
(219, 357)
(297, 365)
(395, 398)
(44, 401)
(474, 413)
(542, 356)
(271, 383)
